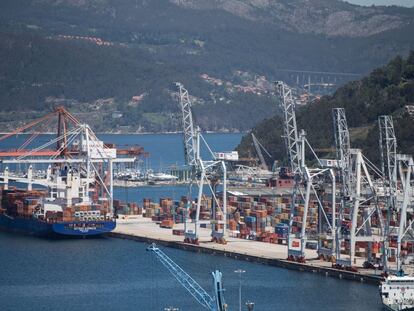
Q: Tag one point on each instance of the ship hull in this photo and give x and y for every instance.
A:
(397, 309)
(40, 228)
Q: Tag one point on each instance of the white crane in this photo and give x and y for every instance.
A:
(388, 155)
(209, 173)
(343, 147)
(258, 147)
(359, 194)
(307, 179)
(89, 162)
(214, 303)
(406, 224)
(189, 132)
(291, 133)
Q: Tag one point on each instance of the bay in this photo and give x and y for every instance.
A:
(111, 274)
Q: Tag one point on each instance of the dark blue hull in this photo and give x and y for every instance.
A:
(37, 227)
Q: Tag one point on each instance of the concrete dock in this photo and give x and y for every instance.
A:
(144, 230)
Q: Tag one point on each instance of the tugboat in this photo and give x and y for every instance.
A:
(74, 195)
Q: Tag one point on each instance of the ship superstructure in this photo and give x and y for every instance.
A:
(67, 182)
(397, 293)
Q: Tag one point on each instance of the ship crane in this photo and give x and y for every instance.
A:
(204, 172)
(214, 303)
(307, 181)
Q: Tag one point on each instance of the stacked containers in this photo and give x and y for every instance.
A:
(282, 230)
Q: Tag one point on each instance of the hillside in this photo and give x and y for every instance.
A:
(327, 17)
(386, 91)
(101, 56)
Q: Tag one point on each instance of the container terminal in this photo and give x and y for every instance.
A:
(342, 216)
(75, 197)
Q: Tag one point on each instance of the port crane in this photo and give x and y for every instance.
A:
(360, 196)
(398, 173)
(258, 147)
(388, 157)
(308, 183)
(406, 224)
(204, 172)
(75, 149)
(214, 303)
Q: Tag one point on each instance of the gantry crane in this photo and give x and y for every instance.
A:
(343, 157)
(204, 172)
(291, 133)
(75, 149)
(406, 212)
(388, 155)
(398, 192)
(359, 195)
(308, 179)
(343, 149)
(214, 303)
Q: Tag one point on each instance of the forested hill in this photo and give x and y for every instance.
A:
(386, 91)
(98, 57)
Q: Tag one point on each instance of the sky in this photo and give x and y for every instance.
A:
(409, 3)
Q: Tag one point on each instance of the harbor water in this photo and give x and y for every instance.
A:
(112, 274)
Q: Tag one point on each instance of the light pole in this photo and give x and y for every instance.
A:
(240, 272)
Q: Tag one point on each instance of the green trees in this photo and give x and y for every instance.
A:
(386, 91)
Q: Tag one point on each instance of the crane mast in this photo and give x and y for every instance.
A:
(215, 303)
(405, 227)
(359, 194)
(188, 126)
(258, 146)
(343, 147)
(307, 179)
(208, 173)
(290, 128)
(388, 156)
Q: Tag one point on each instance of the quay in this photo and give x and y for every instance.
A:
(144, 230)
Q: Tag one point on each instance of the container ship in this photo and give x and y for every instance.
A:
(397, 293)
(48, 213)
(67, 182)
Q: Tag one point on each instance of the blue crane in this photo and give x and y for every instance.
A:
(215, 303)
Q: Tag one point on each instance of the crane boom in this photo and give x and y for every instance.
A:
(388, 149)
(405, 228)
(388, 155)
(202, 171)
(343, 146)
(259, 152)
(188, 126)
(290, 128)
(190, 284)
